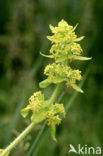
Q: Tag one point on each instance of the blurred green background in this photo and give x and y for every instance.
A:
(24, 25)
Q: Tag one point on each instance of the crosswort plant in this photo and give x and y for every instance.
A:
(65, 48)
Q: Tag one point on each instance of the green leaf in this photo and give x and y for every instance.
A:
(61, 59)
(37, 117)
(77, 88)
(79, 39)
(48, 56)
(45, 83)
(75, 26)
(49, 37)
(53, 132)
(52, 28)
(57, 80)
(25, 111)
(82, 58)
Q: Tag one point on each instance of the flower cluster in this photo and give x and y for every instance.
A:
(58, 73)
(65, 43)
(64, 47)
(42, 110)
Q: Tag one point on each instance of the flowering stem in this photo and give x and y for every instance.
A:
(30, 127)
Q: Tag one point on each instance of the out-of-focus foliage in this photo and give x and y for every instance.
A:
(23, 27)
(19, 38)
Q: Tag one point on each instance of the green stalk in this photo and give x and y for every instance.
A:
(30, 127)
(18, 139)
(55, 93)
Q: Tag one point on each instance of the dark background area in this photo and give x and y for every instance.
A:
(24, 25)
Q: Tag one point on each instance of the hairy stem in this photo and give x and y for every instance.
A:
(18, 139)
(30, 127)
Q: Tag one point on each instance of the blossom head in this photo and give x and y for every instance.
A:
(41, 110)
(64, 47)
(65, 44)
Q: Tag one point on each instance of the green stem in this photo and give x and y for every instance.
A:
(30, 127)
(55, 93)
(18, 139)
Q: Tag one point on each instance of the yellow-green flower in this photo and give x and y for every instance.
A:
(64, 47)
(64, 43)
(64, 33)
(41, 110)
(58, 73)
